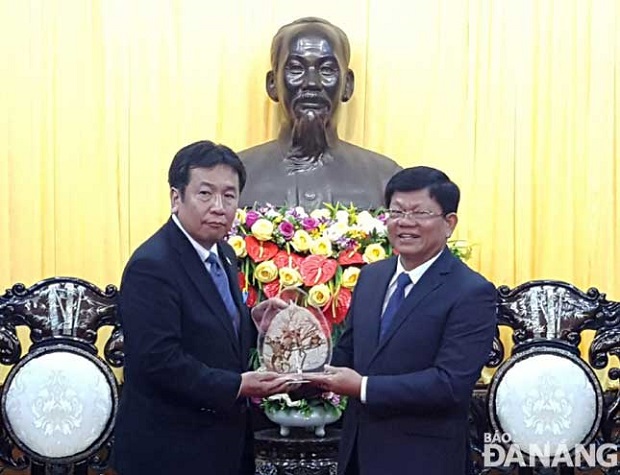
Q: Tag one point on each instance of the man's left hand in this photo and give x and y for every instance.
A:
(343, 381)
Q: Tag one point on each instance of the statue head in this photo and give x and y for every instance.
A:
(310, 77)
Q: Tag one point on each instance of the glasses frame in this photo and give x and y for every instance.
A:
(417, 215)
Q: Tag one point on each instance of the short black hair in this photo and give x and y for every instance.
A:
(276, 43)
(202, 154)
(439, 186)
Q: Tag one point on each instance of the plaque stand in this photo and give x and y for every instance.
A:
(301, 453)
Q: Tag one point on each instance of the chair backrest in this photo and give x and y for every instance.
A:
(551, 310)
(59, 400)
(544, 398)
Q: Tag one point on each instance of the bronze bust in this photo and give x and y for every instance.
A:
(309, 164)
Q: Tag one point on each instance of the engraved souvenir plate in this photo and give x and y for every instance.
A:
(295, 339)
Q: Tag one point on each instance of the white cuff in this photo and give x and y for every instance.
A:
(363, 389)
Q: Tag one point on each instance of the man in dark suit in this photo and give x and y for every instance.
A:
(187, 332)
(420, 328)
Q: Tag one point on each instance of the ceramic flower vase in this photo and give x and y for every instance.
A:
(315, 420)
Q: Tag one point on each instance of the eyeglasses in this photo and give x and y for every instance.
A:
(420, 215)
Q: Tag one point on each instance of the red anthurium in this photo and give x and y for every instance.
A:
(260, 251)
(286, 259)
(243, 281)
(272, 288)
(317, 270)
(249, 292)
(252, 299)
(336, 310)
(346, 258)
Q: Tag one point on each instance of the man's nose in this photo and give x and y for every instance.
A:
(217, 203)
(312, 80)
(408, 220)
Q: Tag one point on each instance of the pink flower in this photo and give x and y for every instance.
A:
(309, 223)
(251, 217)
(333, 398)
(287, 230)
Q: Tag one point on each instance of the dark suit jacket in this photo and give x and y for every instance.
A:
(179, 411)
(421, 376)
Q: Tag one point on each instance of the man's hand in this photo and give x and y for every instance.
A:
(343, 381)
(262, 384)
(267, 308)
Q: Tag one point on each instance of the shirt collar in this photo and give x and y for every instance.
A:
(416, 273)
(202, 251)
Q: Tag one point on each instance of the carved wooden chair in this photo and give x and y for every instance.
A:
(59, 400)
(544, 396)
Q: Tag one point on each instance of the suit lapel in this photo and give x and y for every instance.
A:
(369, 321)
(231, 271)
(229, 261)
(432, 279)
(202, 280)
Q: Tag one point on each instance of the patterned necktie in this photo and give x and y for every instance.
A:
(221, 281)
(396, 299)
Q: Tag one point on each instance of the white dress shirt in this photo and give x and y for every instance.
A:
(203, 253)
(415, 275)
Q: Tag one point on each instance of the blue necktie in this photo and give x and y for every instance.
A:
(221, 281)
(396, 299)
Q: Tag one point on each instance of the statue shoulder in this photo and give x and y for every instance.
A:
(369, 159)
(260, 155)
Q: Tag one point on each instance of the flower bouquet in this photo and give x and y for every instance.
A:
(321, 253)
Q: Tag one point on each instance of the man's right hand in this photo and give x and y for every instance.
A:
(263, 384)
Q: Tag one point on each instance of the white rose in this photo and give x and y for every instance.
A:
(301, 212)
(336, 230)
(342, 216)
(367, 223)
(320, 213)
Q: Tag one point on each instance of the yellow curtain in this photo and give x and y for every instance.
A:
(515, 99)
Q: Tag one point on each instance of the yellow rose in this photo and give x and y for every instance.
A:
(266, 272)
(321, 247)
(374, 253)
(238, 244)
(320, 213)
(301, 240)
(349, 277)
(319, 295)
(290, 277)
(240, 215)
(262, 229)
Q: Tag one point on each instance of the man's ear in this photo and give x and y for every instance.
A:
(270, 85)
(451, 220)
(175, 199)
(349, 85)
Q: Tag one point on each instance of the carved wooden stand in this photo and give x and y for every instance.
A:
(301, 453)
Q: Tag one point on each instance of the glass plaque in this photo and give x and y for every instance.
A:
(293, 337)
